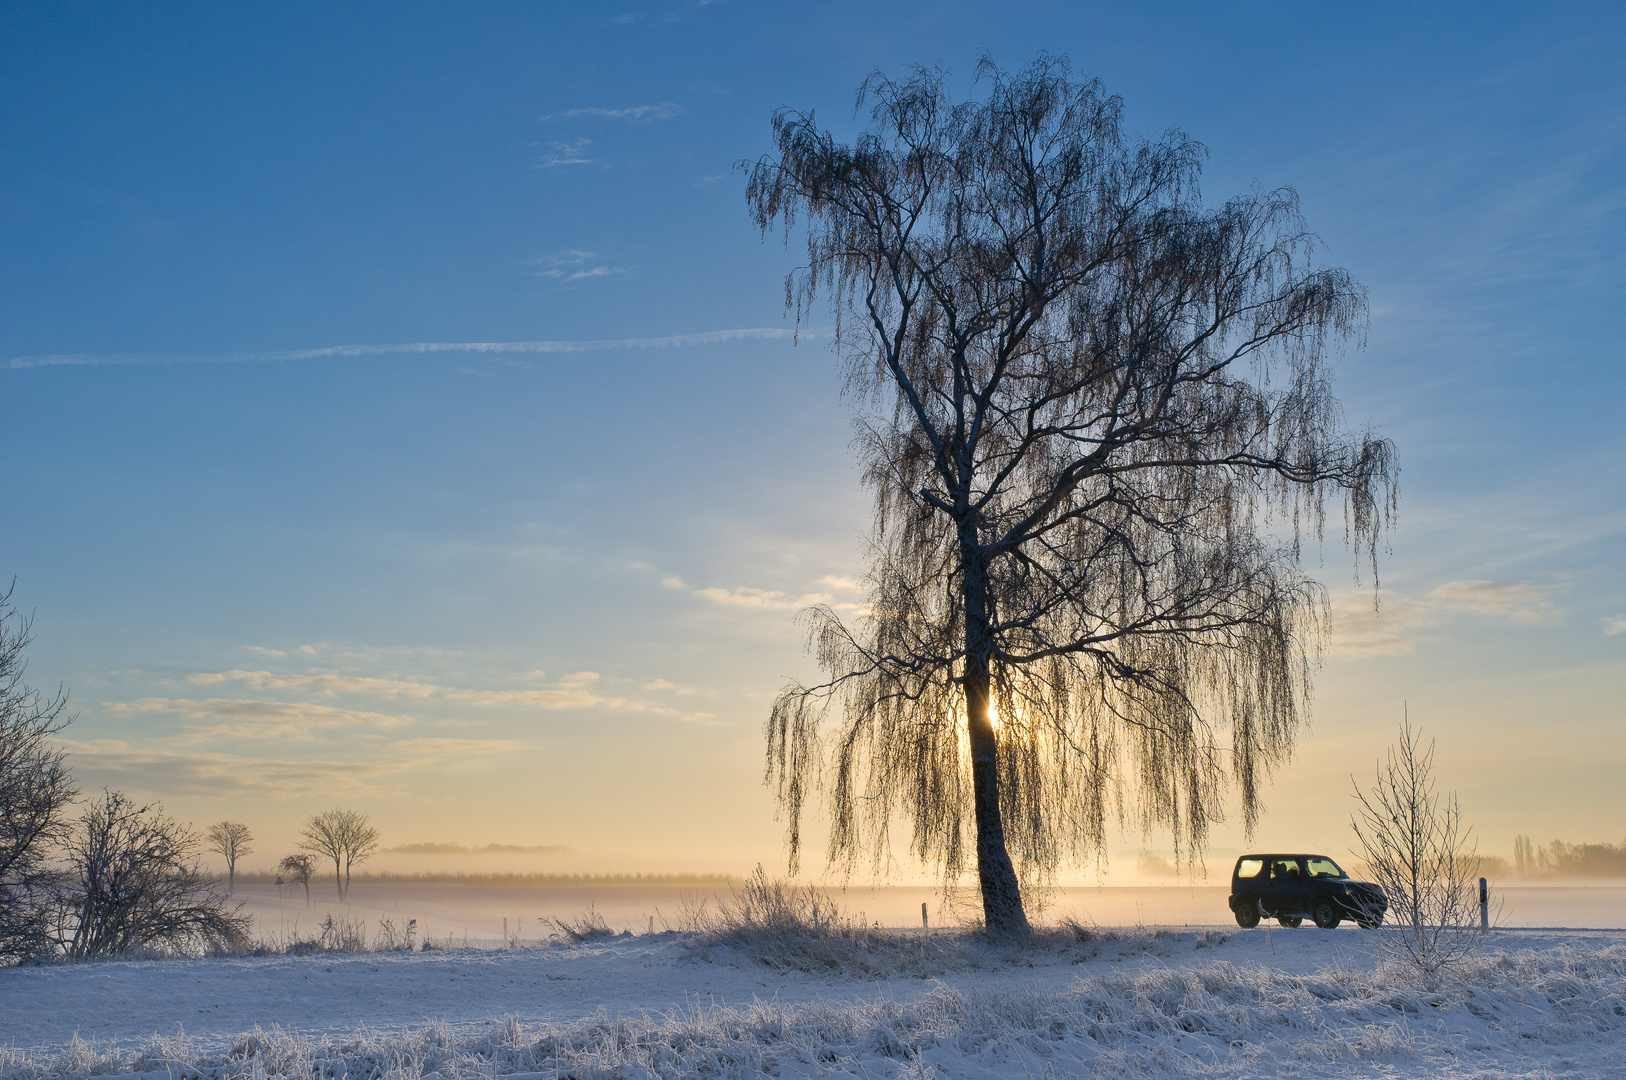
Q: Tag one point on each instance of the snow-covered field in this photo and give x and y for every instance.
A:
(1218, 1002)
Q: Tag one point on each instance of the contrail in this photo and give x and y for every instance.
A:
(671, 341)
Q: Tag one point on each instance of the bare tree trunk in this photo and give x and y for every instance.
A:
(1002, 911)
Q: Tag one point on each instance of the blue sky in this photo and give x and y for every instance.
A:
(545, 596)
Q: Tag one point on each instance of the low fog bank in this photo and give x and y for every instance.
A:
(491, 914)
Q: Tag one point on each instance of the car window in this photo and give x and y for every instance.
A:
(1285, 870)
(1324, 868)
(1249, 867)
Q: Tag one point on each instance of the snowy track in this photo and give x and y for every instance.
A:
(1255, 1004)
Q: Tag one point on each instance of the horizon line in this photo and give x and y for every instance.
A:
(669, 341)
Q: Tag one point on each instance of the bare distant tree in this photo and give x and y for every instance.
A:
(35, 793)
(1417, 848)
(230, 839)
(298, 870)
(137, 884)
(345, 836)
(1090, 409)
(1524, 856)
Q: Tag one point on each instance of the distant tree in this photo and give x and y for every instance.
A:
(137, 884)
(1417, 848)
(1524, 856)
(298, 870)
(345, 836)
(1096, 414)
(36, 791)
(230, 839)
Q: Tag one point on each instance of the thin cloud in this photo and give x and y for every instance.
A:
(573, 152)
(573, 691)
(339, 352)
(1614, 625)
(113, 763)
(257, 719)
(637, 114)
(771, 599)
(322, 683)
(1358, 630)
(571, 266)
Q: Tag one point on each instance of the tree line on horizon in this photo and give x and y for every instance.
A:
(1558, 859)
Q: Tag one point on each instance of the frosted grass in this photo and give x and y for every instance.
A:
(1518, 1013)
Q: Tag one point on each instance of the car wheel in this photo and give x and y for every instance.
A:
(1326, 915)
(1290, 921)
(1247, 914)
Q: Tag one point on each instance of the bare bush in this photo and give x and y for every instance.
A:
(391, 938)
(137, 886)
(588, 926)
(1416, 847)
(36, 790)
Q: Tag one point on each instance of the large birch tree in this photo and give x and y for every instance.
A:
(1096, 416)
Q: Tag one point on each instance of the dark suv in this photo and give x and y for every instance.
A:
(1292, 888)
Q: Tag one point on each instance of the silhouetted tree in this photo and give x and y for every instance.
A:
(345, 836)
(299, 869)
(36, 790)
(137, 883)
(230, 839)
(1096, 407)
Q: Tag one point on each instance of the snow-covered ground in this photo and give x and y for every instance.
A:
(1204, 1002)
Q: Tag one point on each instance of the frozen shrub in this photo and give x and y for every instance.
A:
(588, 926)
(136, 887)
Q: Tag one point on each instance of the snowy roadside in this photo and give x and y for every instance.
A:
(1252, 1004)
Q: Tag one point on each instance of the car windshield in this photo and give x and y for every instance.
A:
(1322, 867)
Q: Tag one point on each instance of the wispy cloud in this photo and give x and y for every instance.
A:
(746, 597)
(574, 691)
(573, 152)
(338, 352)
(776, 600)
(1614, 625)
(256, 719)
(1358, 630)
(321, 683)
(115, 763)
(570, 266)
(637, 114)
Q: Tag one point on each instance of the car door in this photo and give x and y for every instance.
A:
(1289, 891)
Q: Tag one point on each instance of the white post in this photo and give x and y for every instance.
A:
(652, 925)
(1484, 905)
